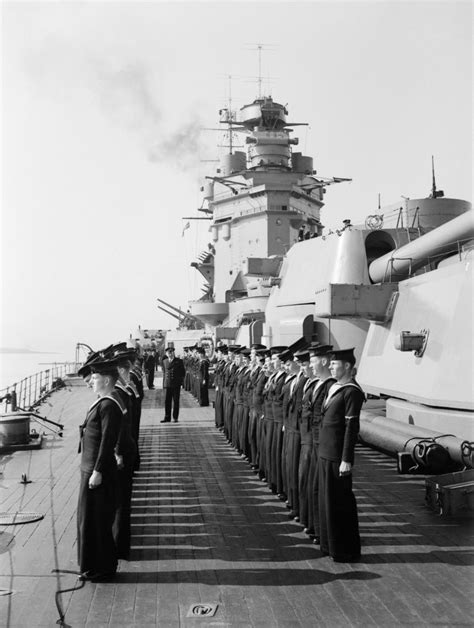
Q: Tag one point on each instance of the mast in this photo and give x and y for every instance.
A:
(434, 192)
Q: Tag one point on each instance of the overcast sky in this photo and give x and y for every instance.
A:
(102, 106)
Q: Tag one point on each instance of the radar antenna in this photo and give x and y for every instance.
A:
(259, 47)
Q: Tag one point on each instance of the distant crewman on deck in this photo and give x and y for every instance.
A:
(339, 525)
(187, 372)
(173, 377)
(136, 382)
(149, 365)
(203, 374)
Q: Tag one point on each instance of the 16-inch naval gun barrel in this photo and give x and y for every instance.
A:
(400, 263)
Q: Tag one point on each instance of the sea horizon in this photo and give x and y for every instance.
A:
(24, 350)
(17, 365)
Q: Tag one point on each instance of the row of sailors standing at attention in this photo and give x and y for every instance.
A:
(196, 379)
(295, 417)
(109, 456)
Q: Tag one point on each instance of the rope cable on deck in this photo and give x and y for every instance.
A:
(59, 592)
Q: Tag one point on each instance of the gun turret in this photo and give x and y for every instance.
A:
(401, 263)
(186, 319)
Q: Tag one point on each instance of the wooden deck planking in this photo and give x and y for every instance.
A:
(205, 529)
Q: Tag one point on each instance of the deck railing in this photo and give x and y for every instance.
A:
(30, 391)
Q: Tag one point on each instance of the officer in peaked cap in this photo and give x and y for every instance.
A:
(337, 439)
(173, 377)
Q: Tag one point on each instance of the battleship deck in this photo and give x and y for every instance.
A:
(206, 531)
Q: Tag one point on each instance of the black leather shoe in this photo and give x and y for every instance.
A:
(346, 558)
(165, 421)
(175, 420)
(97, 576)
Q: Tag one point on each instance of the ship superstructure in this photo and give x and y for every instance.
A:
(398, 287)
(261, 203)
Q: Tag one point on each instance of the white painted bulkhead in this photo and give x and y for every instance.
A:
(440, 302)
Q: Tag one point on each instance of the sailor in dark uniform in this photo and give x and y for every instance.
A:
(293, 441)
(274, 384)
(149, 364)
(258, 378)
(195, 372)
(187, 375)
(221, 354)
(136, 378)
(229, 386)
(203, 377)
(125, 453)
(97, 554)
(243, 441)
(304, 428)
(280, 404)
(319, 360)
(339, 526)
(237, 396)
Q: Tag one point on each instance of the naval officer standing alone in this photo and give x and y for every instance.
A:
(173, 377)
